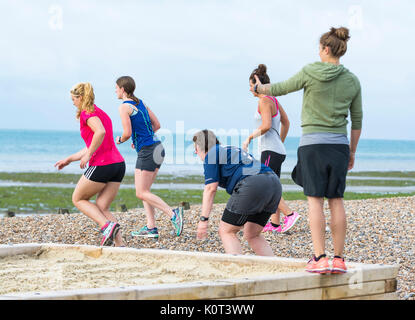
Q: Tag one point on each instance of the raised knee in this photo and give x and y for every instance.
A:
(75, 199)
(140, 194)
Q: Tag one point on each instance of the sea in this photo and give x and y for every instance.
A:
(39, 150)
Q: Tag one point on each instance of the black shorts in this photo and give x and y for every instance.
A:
(321, 169)
(150, 158)
(273, 160)
(239, 220)
(109, 173)
(253, 199)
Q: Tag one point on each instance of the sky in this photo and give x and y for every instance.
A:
(192, 59)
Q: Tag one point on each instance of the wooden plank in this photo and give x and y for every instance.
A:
(383, 296)
(366, 288)
(187, 291)
(81, 294)
(310, 294)
(16, 249)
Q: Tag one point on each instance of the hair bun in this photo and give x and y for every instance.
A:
(262, 69)
(341, 33)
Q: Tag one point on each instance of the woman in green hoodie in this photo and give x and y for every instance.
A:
(325, 153)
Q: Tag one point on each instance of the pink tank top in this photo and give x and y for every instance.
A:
(107, 152)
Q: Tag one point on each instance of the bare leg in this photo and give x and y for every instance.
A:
(282, 207)
(252, 233)
(143, 181)
(338, 225)
(150, 215)
(317, 224)
(149, 209)
(230, 241)
(85, 190)
(104, 200)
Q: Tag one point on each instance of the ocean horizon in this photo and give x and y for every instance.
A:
(39, 150)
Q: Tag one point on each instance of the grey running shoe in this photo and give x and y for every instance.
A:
(177, 220)
(146, 232)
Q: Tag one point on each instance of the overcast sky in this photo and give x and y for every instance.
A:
(192, 59)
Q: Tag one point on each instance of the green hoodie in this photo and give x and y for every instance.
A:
(330, 91)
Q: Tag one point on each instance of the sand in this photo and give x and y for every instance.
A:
(56, 269)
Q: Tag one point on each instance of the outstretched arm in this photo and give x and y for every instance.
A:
(295, 83)
(74, 157)
(207, 204)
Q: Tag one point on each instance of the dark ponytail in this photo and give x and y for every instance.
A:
(128, 84)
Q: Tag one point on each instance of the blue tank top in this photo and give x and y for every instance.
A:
(142, 130)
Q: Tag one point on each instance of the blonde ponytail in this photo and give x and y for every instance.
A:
(86, 92)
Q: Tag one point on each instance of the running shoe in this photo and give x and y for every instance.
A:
(270, 228)
(146, 232)
(177, 220)
(338, 266)
(289, 221)
(321, 266)
(109, 232)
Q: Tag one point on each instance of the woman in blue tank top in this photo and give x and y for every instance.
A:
(140, 123)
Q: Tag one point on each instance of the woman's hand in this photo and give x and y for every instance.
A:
(245, 144)
(351, 161)
(84, 160)
(257, 83)
(118, 140)
(202, 228)
(62, 163)
(132, 146)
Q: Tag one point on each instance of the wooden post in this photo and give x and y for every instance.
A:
(185, 205)
(10, 214)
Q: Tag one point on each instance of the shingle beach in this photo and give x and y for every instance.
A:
(378, 231)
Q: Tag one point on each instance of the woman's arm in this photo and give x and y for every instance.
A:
(356, 115)
(265, 107)
(124, 111)
(295, 83)
(285, 123)
(354, 140)
(207, 204)
(154, 121)
(74, 157)
(99, 133)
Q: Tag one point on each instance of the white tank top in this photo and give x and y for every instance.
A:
(271, 140)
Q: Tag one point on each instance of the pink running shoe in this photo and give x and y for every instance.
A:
(269, 227)
(290, 221)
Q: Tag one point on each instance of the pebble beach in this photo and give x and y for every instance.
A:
(380, 231)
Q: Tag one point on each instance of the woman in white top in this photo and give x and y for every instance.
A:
(269, 117)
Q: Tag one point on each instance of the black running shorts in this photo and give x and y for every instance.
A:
(253, 199)
(321, 169)
(109, 173)
(273, 160)
(239, 220)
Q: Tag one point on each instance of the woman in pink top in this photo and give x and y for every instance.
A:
(106, 165)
